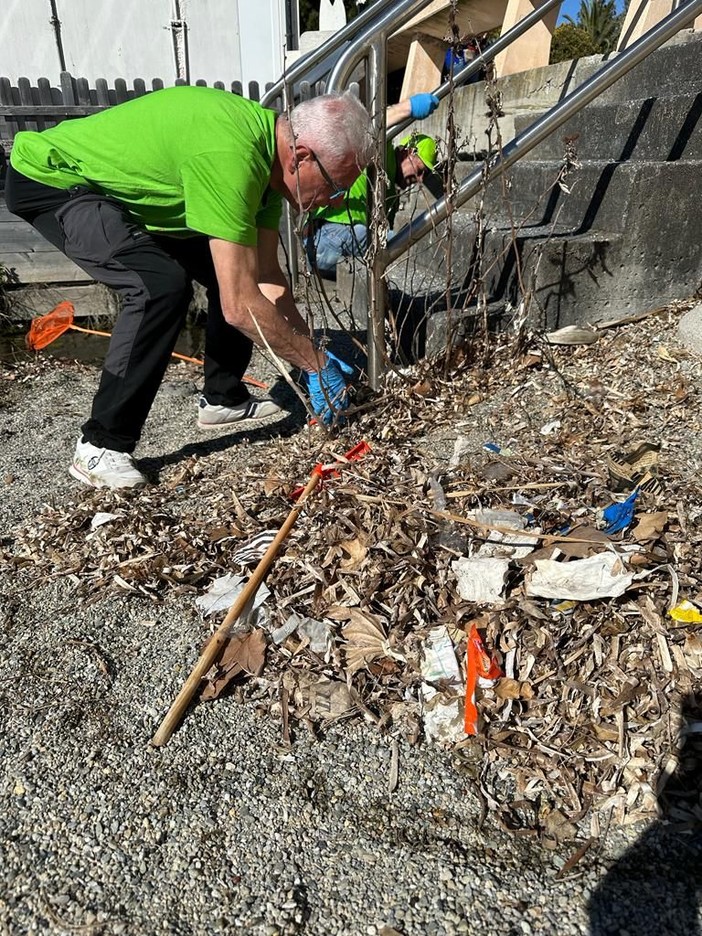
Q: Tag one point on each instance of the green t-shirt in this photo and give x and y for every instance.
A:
(353, 208)
(183, 160)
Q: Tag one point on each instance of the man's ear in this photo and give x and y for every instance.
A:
(301, 153)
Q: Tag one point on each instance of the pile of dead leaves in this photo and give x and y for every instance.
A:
(482, 504)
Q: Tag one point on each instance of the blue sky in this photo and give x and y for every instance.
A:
(571, 7)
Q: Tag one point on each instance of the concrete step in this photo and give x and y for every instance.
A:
(675, 68)
(662, 128)
(602, 194)
(628, 240)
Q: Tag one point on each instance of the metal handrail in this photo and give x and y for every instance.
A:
(364, 35)
(284, 88)
(371, 43)
(480, 61)
(367, 36)
(511, 153)
(302, 66)
(543, 126)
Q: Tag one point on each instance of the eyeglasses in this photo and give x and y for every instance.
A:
(336, 190)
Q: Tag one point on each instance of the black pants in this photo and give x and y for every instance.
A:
(153, 276)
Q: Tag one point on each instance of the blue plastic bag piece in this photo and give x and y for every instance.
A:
(492, 447)
(619, 516)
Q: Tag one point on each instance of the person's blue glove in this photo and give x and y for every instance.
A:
(328, 385)
(422, 105)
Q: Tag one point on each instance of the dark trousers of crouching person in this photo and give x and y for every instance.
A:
(153, 276)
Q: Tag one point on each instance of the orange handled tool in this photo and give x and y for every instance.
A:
(49, 327)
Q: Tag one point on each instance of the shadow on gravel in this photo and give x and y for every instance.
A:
(656, 886)
(211, 443)
(289, 423)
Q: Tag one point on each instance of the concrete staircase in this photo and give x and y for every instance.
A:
(621, 235)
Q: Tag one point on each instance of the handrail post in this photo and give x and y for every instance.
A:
(377, 310)
(377, 294)
(289, 238)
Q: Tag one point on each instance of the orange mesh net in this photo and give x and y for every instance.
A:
(51, 326)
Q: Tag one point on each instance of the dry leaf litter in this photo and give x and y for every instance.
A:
(490, 474)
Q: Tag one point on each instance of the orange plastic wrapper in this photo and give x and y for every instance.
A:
(479, 665)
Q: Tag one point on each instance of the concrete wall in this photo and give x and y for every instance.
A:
(624, 236)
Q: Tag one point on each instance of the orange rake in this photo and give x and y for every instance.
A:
(49, 327)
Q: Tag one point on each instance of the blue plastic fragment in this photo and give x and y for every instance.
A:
(619, 516)
(492, 447)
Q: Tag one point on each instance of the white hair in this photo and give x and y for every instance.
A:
(334, 126)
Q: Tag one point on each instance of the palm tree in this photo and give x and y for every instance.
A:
(600, 21)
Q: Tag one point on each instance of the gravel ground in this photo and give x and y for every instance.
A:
(227, 829)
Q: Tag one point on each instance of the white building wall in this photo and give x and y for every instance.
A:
(27, 43)
(226, 40)
(126, 39)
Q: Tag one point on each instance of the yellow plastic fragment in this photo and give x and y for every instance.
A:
(687, 613)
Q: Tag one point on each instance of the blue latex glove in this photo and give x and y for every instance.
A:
(423, 104)
(620, 516)
(329, 386)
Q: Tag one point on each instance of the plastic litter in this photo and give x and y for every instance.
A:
(461, 447)
(619, 516)
(636, 467)
(223, 592)
(572, 335)
(253, 549)
(332, 470)
(281, 634)
(550, 427)
(101, 518)
(501, 544)
(600, 576)
(442, 710)
(498, 449)
(686, 613)
(317, 633)
(437, 492)
(481, 670)
(481, 578)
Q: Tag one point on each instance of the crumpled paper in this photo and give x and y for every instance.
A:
(600, 576)
(442, 708)
(224, 591)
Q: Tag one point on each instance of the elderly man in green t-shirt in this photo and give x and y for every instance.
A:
(179, 185)
(339, 231)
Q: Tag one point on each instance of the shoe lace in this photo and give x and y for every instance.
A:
(118, 459)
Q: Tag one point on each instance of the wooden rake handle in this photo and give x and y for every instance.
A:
(216, 644)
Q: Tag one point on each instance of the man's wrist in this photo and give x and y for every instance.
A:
(321, 361)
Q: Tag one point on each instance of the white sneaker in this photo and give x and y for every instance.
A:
(210, 416)
(101, 467)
